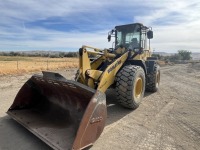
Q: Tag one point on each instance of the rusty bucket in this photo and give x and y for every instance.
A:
(64, 114)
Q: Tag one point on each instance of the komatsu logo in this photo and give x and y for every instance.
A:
(114, 66)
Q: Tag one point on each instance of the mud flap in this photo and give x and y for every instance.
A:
(65, 114)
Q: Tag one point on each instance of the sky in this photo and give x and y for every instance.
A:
(66, 25)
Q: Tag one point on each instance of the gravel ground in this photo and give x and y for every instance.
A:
(167, 119)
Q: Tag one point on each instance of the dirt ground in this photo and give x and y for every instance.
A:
(168, 119)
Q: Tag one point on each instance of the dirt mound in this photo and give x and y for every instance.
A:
(195, 66)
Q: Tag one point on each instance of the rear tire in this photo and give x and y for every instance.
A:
(130, 86)
(153, 79)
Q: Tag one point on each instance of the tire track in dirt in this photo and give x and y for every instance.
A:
(149, 127)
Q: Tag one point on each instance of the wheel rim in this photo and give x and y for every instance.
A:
(138, 87)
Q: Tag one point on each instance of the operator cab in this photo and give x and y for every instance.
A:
(131, 36)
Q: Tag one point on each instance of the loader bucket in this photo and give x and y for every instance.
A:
(64, 114)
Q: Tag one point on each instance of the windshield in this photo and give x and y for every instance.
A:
(128, 36)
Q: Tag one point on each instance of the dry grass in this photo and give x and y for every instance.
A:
(18, 65)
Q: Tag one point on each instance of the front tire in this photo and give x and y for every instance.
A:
(130, 86)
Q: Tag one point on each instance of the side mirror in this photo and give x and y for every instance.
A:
(109, 38)
(150, 34)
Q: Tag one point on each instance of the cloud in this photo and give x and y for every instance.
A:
(40, 38)
(176, 26)
(66, 25)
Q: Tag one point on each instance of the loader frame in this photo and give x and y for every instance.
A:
(94, 74)
(72, 114)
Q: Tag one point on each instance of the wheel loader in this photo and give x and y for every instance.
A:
(72, 114)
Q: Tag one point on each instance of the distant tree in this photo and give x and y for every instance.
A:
(185, 54)
(2, 54)
(40, 54)
(14, 54)
(157, 56)
(45, 55)
(175, 57)
(71, 54)
(61, 54)
(54, 55)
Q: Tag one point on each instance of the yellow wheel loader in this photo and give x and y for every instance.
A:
(71, 114)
